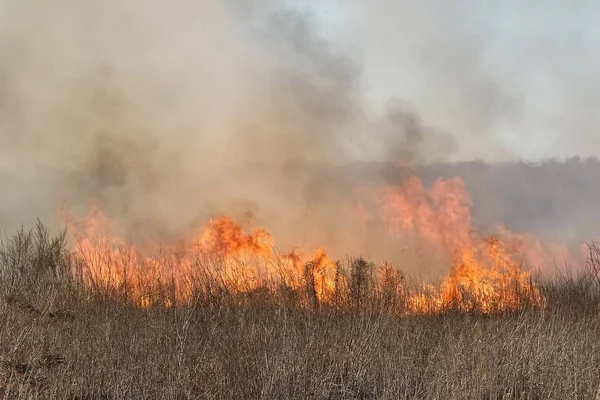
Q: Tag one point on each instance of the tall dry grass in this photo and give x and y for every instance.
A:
(62, 339)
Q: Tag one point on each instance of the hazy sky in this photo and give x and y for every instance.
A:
(524, 72)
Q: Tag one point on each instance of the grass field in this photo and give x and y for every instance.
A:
(63, 339)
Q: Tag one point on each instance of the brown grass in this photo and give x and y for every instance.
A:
(61, 340)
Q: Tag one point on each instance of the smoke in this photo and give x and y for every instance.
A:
(166, 114)
(509, 80)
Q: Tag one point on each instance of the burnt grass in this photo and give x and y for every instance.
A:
(60, 339)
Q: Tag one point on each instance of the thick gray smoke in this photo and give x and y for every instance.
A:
(166, 113)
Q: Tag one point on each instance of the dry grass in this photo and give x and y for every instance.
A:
(59, 340)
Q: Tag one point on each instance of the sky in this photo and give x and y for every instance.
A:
(522, 73)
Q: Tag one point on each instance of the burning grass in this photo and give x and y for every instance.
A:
(485, 274)
(224, 313)
(66, 336)
(485, 283)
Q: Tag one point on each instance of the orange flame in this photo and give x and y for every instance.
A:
(222, 249)
(485, 274)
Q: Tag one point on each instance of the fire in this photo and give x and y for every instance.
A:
(485, 279)
(485, 276)
(485, 273)
(223, 236)
(440, 216)
(221, 252)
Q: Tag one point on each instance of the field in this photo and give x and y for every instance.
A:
(62, 337)
(299, 200)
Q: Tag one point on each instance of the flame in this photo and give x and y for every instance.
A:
(485, 273)
(484, 276)
(221, 250)
(483, 279)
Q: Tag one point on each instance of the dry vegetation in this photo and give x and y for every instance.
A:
(60, 339)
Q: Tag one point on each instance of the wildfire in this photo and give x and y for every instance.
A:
(485, 279)
(484, 276)
(223, 255)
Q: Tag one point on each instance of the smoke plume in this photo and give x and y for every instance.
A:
(166, 114)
